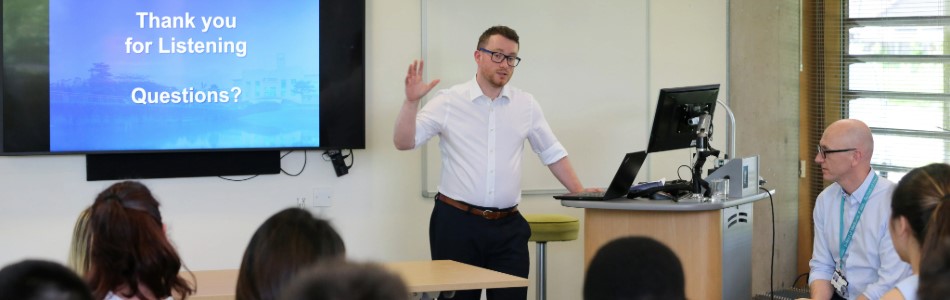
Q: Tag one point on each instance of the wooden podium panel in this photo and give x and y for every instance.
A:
(695, 237)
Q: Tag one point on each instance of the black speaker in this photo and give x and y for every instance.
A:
(115, 166)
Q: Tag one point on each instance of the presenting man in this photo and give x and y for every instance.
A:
(482, 125)
(853, 257)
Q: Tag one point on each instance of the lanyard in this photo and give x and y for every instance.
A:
(845, 242)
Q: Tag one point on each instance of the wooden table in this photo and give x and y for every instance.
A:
(422, 278)
(433, 276)
(214, 284)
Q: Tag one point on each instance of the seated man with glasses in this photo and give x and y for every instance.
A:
(853, 257)
(482, 125)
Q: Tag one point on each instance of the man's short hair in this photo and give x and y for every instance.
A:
(502, 30)
(634, 268)
(341, 280)
(41, 280)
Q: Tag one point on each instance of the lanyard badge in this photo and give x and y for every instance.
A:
(838, 280)
(840, 283)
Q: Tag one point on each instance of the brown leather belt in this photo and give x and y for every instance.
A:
(487, 214)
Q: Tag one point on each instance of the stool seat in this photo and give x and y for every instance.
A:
(552, 227)
(549, 228)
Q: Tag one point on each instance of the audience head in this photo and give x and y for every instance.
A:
(634, 268)
(914, 200)
(130, 254)
(846, 149)
(41, 280)
(286, 243)
(342, 280)
(920, 217)
(78, 259)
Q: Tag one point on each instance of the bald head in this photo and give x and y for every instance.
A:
(845, 156)
(850, 133)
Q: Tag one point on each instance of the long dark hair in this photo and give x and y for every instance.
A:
(286, 243)
(129, 246)
(921, 197)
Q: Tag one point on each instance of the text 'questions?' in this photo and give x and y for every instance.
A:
(175, 46)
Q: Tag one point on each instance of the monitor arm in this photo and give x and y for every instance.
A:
(703, 124)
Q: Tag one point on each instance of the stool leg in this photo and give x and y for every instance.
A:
(542, 260)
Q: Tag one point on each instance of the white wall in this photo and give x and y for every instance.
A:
(377, 207)
(688, 46)
(582, 61)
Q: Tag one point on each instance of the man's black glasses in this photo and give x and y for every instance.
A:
(824, 152)
(498, 57)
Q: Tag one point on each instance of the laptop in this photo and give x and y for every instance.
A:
(620, 186)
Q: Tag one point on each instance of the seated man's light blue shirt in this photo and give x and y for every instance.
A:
(908, 287)
(872, 267)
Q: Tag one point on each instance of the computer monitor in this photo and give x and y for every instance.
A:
(677, 113)
(684, 120)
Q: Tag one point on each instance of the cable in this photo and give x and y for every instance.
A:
(286, 153)
(301, 168)
(795, 283)
(772, 258)
(243, 179)
(680, 167)
(352, 159)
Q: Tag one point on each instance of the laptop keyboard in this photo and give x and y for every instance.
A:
(589, 194)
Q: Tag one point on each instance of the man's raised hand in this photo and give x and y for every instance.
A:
(415, 87)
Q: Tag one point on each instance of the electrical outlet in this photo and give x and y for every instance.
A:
(322, 197)
(802, 168)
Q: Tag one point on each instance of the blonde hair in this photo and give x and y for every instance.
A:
(78, 259)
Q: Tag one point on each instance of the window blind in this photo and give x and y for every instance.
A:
(884, 62)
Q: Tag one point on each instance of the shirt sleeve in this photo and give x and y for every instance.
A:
(892, 270)
(430, 120)
(822, 264)
(542, 139)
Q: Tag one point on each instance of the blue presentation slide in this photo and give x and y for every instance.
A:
(175, 74)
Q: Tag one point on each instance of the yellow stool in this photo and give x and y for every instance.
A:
(549, 228)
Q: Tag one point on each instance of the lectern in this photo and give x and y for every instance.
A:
(713, 240)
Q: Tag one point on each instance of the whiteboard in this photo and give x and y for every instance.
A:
(586, 62)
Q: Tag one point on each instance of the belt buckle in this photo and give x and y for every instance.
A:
(486, 212)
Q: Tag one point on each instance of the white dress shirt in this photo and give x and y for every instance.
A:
(872, 267)
(481, 141)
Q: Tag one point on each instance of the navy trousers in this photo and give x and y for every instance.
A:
(500, 245)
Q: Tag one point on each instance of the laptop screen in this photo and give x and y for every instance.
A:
(627, 172)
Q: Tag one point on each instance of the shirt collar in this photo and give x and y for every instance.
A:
(474, 91)
(858, 194)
